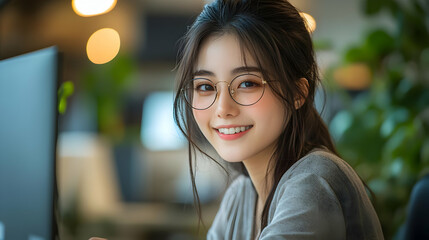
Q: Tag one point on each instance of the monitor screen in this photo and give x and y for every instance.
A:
(159, 131)
(28, 115)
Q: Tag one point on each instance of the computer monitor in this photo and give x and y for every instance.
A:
(28, 131)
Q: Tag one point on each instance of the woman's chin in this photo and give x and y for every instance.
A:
(232, 158)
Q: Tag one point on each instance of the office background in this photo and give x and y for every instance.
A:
(122, 166)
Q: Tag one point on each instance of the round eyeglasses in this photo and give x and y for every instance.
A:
(245, 89)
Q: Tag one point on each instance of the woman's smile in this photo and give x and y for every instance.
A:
(232, 132)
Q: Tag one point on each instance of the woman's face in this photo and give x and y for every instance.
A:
(220, 60)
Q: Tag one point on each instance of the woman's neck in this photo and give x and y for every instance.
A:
(257, 168)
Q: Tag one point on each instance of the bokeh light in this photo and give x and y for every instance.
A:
(103, 45)
(356, 76)
(87, 8)
(309, 21)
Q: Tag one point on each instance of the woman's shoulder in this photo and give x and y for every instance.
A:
(322, 168)
(333, 182)
(321, 163)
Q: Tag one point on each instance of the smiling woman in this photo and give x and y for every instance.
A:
(246, 84)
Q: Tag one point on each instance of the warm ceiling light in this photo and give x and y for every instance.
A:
(87, 8)
(309, 21)
(103, 46)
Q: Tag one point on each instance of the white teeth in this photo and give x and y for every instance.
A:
(233, 130)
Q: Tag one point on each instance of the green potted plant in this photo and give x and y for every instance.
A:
(384, 131)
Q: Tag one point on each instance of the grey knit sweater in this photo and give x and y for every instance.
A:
(319, 197)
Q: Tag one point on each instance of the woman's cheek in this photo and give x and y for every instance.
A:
(202, 118)
(270, 112)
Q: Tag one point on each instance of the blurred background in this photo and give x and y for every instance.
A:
(122, 165)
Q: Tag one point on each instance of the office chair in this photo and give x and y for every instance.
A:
(417, 223)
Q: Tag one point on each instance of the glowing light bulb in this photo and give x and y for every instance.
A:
(103, 45)
(87, 8)
(309, 21)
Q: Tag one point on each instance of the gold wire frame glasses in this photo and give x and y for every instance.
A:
(245, 89)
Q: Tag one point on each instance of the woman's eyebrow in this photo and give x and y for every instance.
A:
(203, 72)
(245, 69)
(235, 71)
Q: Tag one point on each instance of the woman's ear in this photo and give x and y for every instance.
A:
(302, 95)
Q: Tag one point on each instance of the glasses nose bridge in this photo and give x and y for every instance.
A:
(228, 85)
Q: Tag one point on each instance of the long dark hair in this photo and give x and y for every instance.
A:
(275, 35)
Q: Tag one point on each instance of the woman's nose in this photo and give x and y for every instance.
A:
(225, 105)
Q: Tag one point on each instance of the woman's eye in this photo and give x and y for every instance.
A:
(204, 87)
(247, 84)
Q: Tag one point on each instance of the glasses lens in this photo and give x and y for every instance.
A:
(247, 89)
(200, 93)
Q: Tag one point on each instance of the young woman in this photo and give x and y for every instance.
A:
(246, 84)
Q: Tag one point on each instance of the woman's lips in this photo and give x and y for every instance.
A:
(232, 133)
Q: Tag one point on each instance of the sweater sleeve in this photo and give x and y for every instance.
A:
(305, 208)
